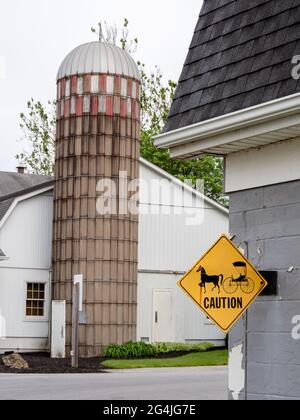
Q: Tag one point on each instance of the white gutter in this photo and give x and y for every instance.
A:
(278, 108)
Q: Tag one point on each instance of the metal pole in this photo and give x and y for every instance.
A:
(246, 355)
(75, 325)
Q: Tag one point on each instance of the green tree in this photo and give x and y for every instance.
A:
(38, 126)
(207, 168)
(156, 98)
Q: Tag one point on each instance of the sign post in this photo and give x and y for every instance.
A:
(223, 283)
(76, 307)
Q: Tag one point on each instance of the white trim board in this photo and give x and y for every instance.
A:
(238, 130)
(268, 165)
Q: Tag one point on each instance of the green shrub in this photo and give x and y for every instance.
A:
(141, 350)
(130, 350)
(164, 348)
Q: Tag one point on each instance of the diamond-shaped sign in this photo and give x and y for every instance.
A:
(223, 283)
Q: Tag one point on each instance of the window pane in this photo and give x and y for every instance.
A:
(41, 308)
(42, 291)
(29, 290)
(35, 299)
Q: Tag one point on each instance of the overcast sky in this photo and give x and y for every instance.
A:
(35, 36)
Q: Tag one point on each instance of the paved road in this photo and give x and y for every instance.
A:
(196, 383)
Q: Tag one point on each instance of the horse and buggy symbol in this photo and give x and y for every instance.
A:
(230, 284)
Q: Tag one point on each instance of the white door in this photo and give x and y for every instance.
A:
(162, 316)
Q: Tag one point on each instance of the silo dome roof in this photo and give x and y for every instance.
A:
(98, 57)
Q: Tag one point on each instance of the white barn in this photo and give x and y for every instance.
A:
(177, 224)
(25, 237)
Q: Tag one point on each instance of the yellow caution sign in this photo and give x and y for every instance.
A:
(223, 283)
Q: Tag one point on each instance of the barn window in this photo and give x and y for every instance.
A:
(35, 299)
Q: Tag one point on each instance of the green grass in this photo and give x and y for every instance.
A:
(210, 358)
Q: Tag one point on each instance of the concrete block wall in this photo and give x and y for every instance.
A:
(265, 358)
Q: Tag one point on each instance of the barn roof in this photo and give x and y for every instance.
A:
(240, 56)
(13, 185)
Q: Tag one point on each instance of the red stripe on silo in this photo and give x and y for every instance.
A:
(138, 91)
(94, 105)
(74, 84)
(67, 108)
(102, 83)
(87, 83)
(109, 106)
(117, 85)
(129, 87)
(79, 106)
(123, 107)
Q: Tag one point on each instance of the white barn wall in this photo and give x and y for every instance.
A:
(264, 162)
(21, 332)
(27, 234)
(168, 242)
(27, 239)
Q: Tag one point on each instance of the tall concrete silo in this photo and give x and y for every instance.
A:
(98, 136)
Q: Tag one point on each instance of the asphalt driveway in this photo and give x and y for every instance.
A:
(195, 383)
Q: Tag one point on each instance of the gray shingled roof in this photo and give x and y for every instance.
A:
(13, 185)
(4, 206)
(240, 56)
